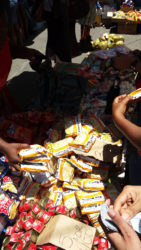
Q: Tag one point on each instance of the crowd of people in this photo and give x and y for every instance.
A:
(16, 22)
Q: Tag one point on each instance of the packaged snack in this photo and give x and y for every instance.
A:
(83, 142)
(91, 161)
(38, 226)
(43, 216)
(103, 244)
(136, 94)
(35, 167)
(73, 126)
(62, 148)
(88, 199)
(28, 224)
(69, 200)
(95, 208)
(93, 217)
(100, 173)
(57, 198)
(61, 210)
(90, 184)
(70, 186)
(99, 229)
(86, 128)
(97, 124)
(29, 191)
(36, 208)
(65, 171)
(49, 182)
(80, 164)
(33, 151)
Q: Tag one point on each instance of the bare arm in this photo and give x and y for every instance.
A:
(131, 131)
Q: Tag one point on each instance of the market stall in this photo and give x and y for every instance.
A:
(72, 163)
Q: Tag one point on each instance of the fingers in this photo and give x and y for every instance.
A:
(23, 146)
(126, 230)
(130, 211)
(120, 201)
(16, 167)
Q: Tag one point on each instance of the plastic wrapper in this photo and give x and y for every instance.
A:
(88, 199)
(73, 126)
(33, 151)
(69, 199)
(90, 184)
(62, 148)
(80, 164)
(83, 142)
(65, 171)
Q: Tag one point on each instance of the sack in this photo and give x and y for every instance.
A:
(78, 8)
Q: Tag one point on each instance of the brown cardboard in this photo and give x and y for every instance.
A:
(103, 151)
(67, 233)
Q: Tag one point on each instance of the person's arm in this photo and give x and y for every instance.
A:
(10, 150)
(131, 131)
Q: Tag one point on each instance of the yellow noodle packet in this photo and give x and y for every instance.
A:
(80, 164)
(93, 217)
(83, 142)
(62, 148)
(73, 126)
(31, 152)
(69, 199)
(88, 199)
(90, 184)
(95, 208)
(57, 198)
(34, 167)
(69, 186)
(96, 123)
(65, 171)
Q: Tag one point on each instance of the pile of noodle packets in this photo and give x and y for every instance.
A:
(57, 180)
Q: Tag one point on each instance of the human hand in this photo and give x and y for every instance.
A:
(127, 239)
(119, 105)
(128, 203)
(11, 152)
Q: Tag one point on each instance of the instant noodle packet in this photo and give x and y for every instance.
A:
(31, 152)
(62, 148)
(73, 126)
(91, 161)
(83, 142)
(66, 185)
(90, 184)
(97, 124)
(99, 230)
(95, 208)
(93, 217)
(80, 164)
(57, 198)
(35, 167)
(65, 171)
(136, 94)
(69, 199)
(89, 199)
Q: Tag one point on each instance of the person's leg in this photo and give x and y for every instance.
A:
(59, 32)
